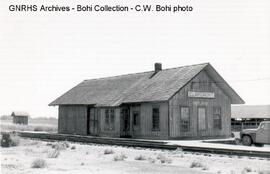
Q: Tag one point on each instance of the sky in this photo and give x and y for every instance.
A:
(42, 55)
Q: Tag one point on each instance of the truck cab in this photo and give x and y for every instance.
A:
(258, 137)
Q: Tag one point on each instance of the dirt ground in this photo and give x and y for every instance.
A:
(82, 158)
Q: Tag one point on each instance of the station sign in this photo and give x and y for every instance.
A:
(194, 94)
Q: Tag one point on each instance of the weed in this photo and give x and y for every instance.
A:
(140, 158)
(54, 153)
(120, 157)
(108, 151)
(39, 163)
(73, 147)
(164, 159)
(60, 146)
(196, 164)
(247, 169)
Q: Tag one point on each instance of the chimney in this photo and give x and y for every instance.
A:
(158, 67)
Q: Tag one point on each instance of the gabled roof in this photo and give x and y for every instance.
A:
(138, 87)
(20, 113)
(251, 111)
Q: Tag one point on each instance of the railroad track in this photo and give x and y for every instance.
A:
(141, 143)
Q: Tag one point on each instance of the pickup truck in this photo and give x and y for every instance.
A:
(258, 137)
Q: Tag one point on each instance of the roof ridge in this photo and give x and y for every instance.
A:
(145, 72)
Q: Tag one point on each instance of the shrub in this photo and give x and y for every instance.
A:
(140, 158)
(60, 146)
(196, 164)
(73, 148)
(247, 169)
(120, 157)
(39, 163)
(108, 151)
(164, 159)
(53, 153)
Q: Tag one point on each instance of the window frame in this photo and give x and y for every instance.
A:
(109, 119)
(181, 119)
(135, 120)
(155, 127)
(219, 113)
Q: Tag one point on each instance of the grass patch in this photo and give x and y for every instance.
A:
(39, 163)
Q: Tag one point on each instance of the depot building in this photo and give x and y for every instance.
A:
(187, 102)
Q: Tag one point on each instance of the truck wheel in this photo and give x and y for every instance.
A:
(246, 140)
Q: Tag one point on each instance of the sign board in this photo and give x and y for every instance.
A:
(201, 94)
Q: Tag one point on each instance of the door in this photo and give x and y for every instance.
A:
(135, 117)
(201, 120)
(263, 133)
(125, 123)
(92, 121)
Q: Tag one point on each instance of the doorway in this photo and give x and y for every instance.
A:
(201, 112)
(92, 121)
(125, 123)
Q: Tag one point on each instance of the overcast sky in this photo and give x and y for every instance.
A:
(42, 55)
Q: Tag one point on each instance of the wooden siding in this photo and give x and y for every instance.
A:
(106, 132)
(72, 119)
(145, 121)
(181, 99)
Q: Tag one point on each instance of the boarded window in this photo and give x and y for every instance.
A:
(217, 118)
(185, 119)
(201, 118)
(109, 119)
(136, 115)
(155, 118)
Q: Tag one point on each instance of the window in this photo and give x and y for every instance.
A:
(201, 118)
(112, 119)
(192, 86)
(136, 118)
(155, 118)
(185, 119)
(109, 119)
(217, 118)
